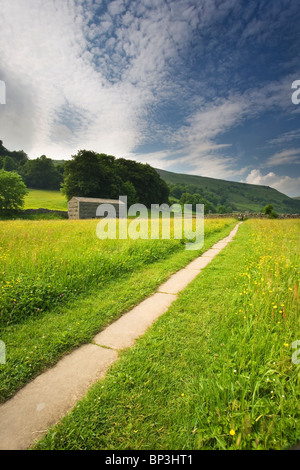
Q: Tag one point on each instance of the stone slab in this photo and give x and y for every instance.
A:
(178, 281)
(220, 245)
(211, 253)
(46, 399)
(123, 332)
(199, 263)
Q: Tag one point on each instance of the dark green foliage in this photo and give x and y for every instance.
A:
(194, 199)
(11, 161)
(9, 164)
(41, 173)
(268, 210)
(150, 188)
(91, 174)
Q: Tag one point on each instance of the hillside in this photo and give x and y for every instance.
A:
(239, 196)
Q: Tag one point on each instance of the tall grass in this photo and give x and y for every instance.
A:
(46, 263)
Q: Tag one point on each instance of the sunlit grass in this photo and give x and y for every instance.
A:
(38, 198)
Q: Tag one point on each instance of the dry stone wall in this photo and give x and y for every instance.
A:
(250, 215)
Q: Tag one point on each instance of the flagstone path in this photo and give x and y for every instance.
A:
(44, 401)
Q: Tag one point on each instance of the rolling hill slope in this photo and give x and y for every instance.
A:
(240, 196)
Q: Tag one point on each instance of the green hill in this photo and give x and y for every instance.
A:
(234, 195)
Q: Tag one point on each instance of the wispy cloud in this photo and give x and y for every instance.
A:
(199, 144)
(285, 138)
(284, 157)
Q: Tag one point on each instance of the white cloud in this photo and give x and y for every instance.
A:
(116, 7)
(284, 184)
(49, 70)
(284, 138)
(284, 157)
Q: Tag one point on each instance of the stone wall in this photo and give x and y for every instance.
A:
(45, 211)
(250, 215)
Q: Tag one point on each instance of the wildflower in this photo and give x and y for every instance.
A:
(232, 432)
(285, 344)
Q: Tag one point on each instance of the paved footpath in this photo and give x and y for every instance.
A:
(44, 401)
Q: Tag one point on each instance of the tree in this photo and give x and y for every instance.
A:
(149, 186)
(268, 210)
(12, 192)
(221, 209)
(176, 190)
(19, 157)
(90, 174)
(41, 173)
(129, 190)
(9, 164)
(194, 199)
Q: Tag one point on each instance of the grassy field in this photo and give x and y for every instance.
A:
(38, 198)
(215, 371)
(59, 282)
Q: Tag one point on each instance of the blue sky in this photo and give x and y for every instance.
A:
(201, 87)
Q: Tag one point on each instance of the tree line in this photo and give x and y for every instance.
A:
(92, 174)
(192, 194)
(87, 174)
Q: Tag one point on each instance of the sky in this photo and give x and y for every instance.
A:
(201, 87)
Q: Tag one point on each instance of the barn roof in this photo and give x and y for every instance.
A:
(97, 200)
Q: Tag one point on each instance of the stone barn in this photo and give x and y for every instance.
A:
(86, 207)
